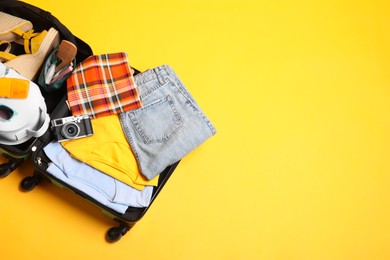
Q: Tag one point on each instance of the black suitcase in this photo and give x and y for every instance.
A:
(42, 20)
(57, 108)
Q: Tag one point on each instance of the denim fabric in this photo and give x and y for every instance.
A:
(168, 126)
(96, 184)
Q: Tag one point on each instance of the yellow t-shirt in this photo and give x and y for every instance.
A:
(108, 151)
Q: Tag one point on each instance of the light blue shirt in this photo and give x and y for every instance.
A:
(98, 185)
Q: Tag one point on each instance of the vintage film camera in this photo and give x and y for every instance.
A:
(72, 127)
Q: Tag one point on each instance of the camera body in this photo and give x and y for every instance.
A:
(72, 127)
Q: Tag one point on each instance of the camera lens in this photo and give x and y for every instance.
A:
(70, 130)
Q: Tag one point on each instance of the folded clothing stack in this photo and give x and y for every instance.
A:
(141, 125)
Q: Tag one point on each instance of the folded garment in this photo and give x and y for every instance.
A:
(103, 188)
(108, 151)
(56, 172)
(102, 85)
(168, 126)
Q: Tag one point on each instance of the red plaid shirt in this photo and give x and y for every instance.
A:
(102, 85)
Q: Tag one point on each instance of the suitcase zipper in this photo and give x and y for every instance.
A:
(38, 160)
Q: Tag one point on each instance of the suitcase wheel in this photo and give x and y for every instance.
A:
(29, 183)
(114, 234)
(7, 168)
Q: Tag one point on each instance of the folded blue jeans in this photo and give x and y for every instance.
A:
(168, 126)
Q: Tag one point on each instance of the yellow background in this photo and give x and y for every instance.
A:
(299, 169)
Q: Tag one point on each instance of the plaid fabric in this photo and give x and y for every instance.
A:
(102, 85)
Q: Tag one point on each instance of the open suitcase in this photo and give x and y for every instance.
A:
(42, 20)
(57, 108)
(164, 96)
